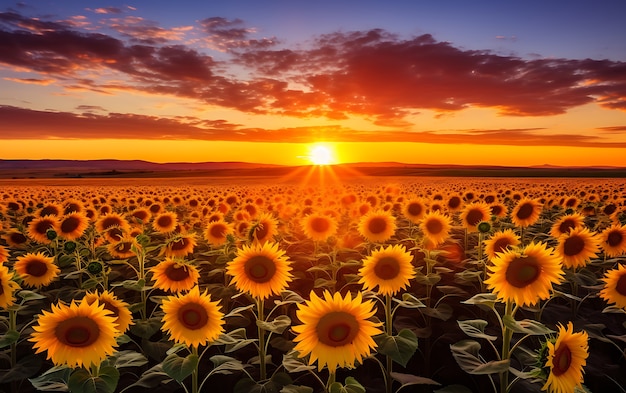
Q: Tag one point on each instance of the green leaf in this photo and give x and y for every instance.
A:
(234, 340)
(147, 328)
(427, 279)
(409, 301)
(9, 338)
(410, 379)
(225, 365)
(400, 348)
(178, 367)
(237, 312)
(81, 381)
(293, 364)
(443, 311)
(53, 380)
(476, 328)
(324, 283)
(465, 353)
(65, 260)
(351, 386)
(127, 358)
(135, 285)
(26, 367)
(27, 295)
(296, 389)
(526, 326)
(482, 299)
(273, 385)
(451, 290)
(289, 297)
(90, 283)
(152, 378)
(277, 326)
(454, 389)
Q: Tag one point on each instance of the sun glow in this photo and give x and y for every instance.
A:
(321, 154)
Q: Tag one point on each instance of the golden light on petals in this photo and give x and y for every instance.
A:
(436, 227)
(319, 227)
(173, 275)
(473, 214)
(577, 247)
(180, 245)
(614, 290)
(36, 269)
(500, 242)
(377, 226)
(564, 224)
(75, 335)
(566, 359)
(192, 319)
(38, 228)
(7, 287)
(335, 331)
(165, 222)
(526, 212)
(260, 270)
(525, 276)
(388, 268)
(613, 240)
(118, 308)
(217, 232)
(73, 225)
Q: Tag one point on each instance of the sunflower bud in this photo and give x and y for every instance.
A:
(94, 267)
(484, 227)
(51, 234)
(69, 247)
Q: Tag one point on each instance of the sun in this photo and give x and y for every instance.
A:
(321, 154)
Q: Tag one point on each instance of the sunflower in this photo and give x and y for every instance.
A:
(473, 214)
(335, 331)
(436, 227)
(165, 222)
(565, 223)
(36, 270)
(566, 359)
(614, 290)
(217, 232)
(414, 210)
(500, 242)
(498, 209)
(123, 248)
(38, 228)
(174, 275)
(454, 203)
(263, 229)
(141, 215)
(525, 276)
(319, 227)
(180, 245)
(75, 335)
(260, 270)
(118, 308)
(577, 247)
(111, 221)
(50, 209)
(15, 239)
(4, 255)
(389, 269)
(73, 225)
(613, 240)
(73, 206)
(377, 226)
(192, 319)
(526, 212)
(7, 287)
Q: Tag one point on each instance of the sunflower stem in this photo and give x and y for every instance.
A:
(389, 328)
(331, 380)
(507, 334)
(194, 374)
(261, 334)
(13, 326)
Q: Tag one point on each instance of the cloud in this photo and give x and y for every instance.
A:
(20, 123)
(374, 74)
(613, 129)
(31, 81)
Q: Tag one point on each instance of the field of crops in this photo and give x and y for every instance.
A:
(415, 285)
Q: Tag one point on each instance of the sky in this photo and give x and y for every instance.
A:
(431, 82)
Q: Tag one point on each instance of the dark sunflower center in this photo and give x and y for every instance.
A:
(72, 207)
(164, 221)
(77, 332)
(108, 306)
(176, 272)
(261, 231)
(141, 214)
(193, 316)
(18, 238)
(474, 216)
(218, 231)
(180, 244)
(377, 225)
(496, 209)
(337, 328)
(434, 226)
(567, 225)
(124, 247)
(1, 288)
(36, 268)
(70, 224)
(387, 268)
(49, 210)
(523, 271)
(490, 199)
(620, 287)
(454, 202)
(43, 226)
(562, 360)
(573, 246)
(501, 245)
(110, 222)
(414, 209)
(116, 234)
(615, 238)
(525, 211)
(320, 224)
(260, 268)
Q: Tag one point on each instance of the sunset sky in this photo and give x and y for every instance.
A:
(433, 82)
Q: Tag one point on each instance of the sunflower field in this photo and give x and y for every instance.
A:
(417, 285)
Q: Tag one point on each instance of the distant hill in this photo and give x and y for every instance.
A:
(138, 168)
